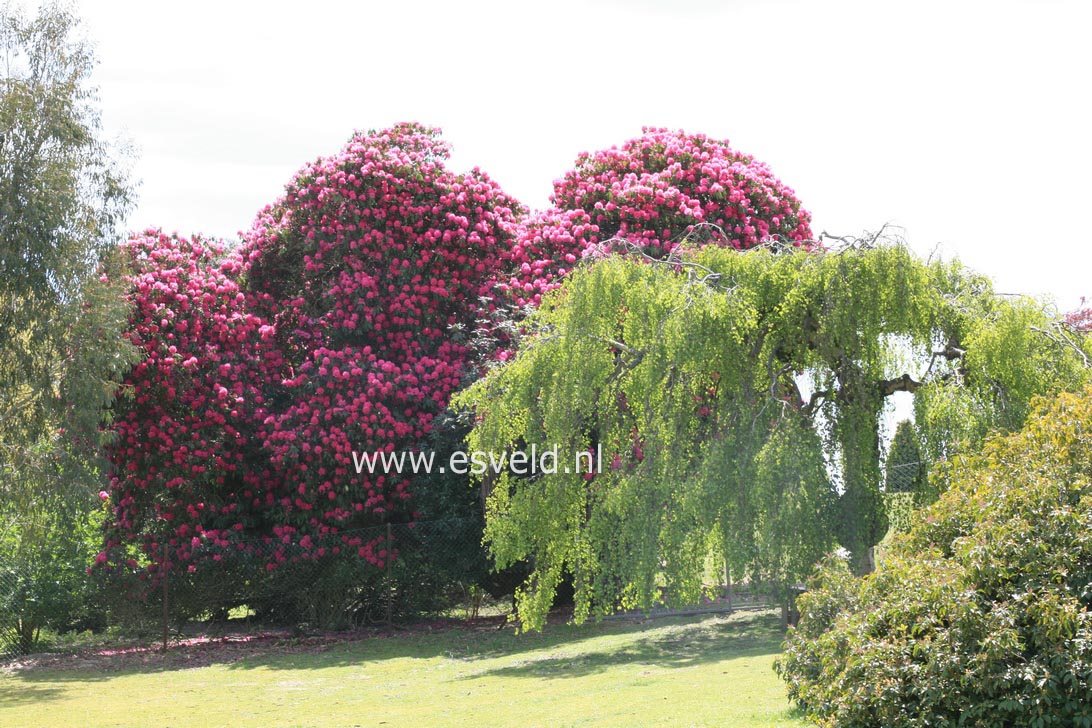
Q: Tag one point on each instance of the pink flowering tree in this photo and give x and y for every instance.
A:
(1080, 319)
(346, 321)
(372, 268)
(186, 472)
(651, 192)
(341, 326)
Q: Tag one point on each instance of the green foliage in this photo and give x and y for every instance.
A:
(62, 352)
(901, 509)
(980, 615)
(905, 471)
(43, 582)
(690, 374)
(61, 196)
(906, 477)
(792, 500)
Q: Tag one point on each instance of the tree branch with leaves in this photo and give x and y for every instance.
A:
(707, 435)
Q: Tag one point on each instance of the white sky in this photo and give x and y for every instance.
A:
(967, 124)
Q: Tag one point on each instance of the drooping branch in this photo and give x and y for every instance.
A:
(952, 351)
(1064, 341)
(639, 353)
(868, 241)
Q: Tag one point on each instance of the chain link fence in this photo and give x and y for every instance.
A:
(906, 487)
(347, 580)
(425, 568)
(10, 634)
(381, 574)
(906, 477)
(377, 575)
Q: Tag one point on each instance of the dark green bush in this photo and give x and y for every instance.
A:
(980, 615)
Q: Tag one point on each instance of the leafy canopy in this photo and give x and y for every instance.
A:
(62, 353)
(736, 397)
(61, 196)
(980, 615)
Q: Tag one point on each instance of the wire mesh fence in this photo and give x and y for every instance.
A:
(25, 604)
(377, 575)
(10, 634)
(345, 580)
(906, 477)
(906, 487)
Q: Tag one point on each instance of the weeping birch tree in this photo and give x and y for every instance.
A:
(737, 398)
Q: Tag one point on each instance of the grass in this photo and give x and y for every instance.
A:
(707, 670)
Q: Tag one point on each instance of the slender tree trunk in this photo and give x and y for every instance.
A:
(27, 632)
(864, 521)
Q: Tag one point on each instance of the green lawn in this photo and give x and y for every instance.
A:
(695, 671)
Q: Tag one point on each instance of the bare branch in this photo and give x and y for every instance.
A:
(951, 351)
(1064, 341)
(817, 399)
(905, 383)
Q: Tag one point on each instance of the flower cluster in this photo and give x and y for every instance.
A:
(1080, 319)
(651, 192)
(344, 323)
(365, 267)
(184, 466)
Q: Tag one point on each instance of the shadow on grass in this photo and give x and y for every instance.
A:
(687, 645)
(682, 641)
(686, 641)
(23, 694)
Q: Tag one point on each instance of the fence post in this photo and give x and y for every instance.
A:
(728, 584)
(390, 580)
(166, 597)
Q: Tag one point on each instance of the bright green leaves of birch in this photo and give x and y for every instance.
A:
(736, 400)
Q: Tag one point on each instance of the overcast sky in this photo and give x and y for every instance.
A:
(967, 124)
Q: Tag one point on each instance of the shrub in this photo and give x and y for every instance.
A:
(980, 615)
(185, 470)
(44, 584)
(368, 267)
(651, 192)
(343, 323)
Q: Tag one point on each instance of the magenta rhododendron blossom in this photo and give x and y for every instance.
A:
(331, 330)
(185, 468)
(342, 324)
(650, 192)
(1081, 318)
(363, 268)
